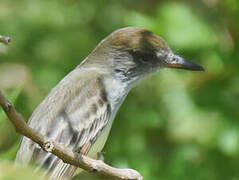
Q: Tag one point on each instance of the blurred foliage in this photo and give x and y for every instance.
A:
(173, 125)
(7, 172)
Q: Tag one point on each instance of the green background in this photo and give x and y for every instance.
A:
(175, 124)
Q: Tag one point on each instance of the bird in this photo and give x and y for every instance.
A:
(79, 111)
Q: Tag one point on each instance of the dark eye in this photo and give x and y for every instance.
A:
(143, 57)
(148, 57)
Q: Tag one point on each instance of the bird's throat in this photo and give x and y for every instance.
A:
(116, 91)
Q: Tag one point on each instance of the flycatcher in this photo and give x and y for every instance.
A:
(80, 109)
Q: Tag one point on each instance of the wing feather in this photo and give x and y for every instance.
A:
(74, 117)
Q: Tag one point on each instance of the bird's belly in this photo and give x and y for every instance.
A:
(98, 145)
(100, 142)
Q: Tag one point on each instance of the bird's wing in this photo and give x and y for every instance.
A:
(74, 117)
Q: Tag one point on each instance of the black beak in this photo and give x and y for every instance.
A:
(180, 63)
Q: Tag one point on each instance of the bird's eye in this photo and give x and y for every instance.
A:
(144, 58)
(147, 57)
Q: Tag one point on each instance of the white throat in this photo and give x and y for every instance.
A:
(116, 91)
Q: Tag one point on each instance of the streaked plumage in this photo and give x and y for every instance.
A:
(77, 123)
(79, 111)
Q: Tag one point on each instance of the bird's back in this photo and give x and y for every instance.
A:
(75, 117)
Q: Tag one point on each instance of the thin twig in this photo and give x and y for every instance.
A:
(68, 156)
(5, 39)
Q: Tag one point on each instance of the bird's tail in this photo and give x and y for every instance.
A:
(60, 170)
(54, 168)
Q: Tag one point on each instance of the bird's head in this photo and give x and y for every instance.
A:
(131, 53)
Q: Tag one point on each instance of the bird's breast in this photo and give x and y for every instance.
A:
(116, 92)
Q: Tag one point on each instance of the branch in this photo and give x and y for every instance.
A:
(5, 40)
(64, 153)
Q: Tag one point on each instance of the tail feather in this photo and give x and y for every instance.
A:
(58, 169)
(54, 167)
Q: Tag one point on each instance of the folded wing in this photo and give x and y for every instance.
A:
(75, 117)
